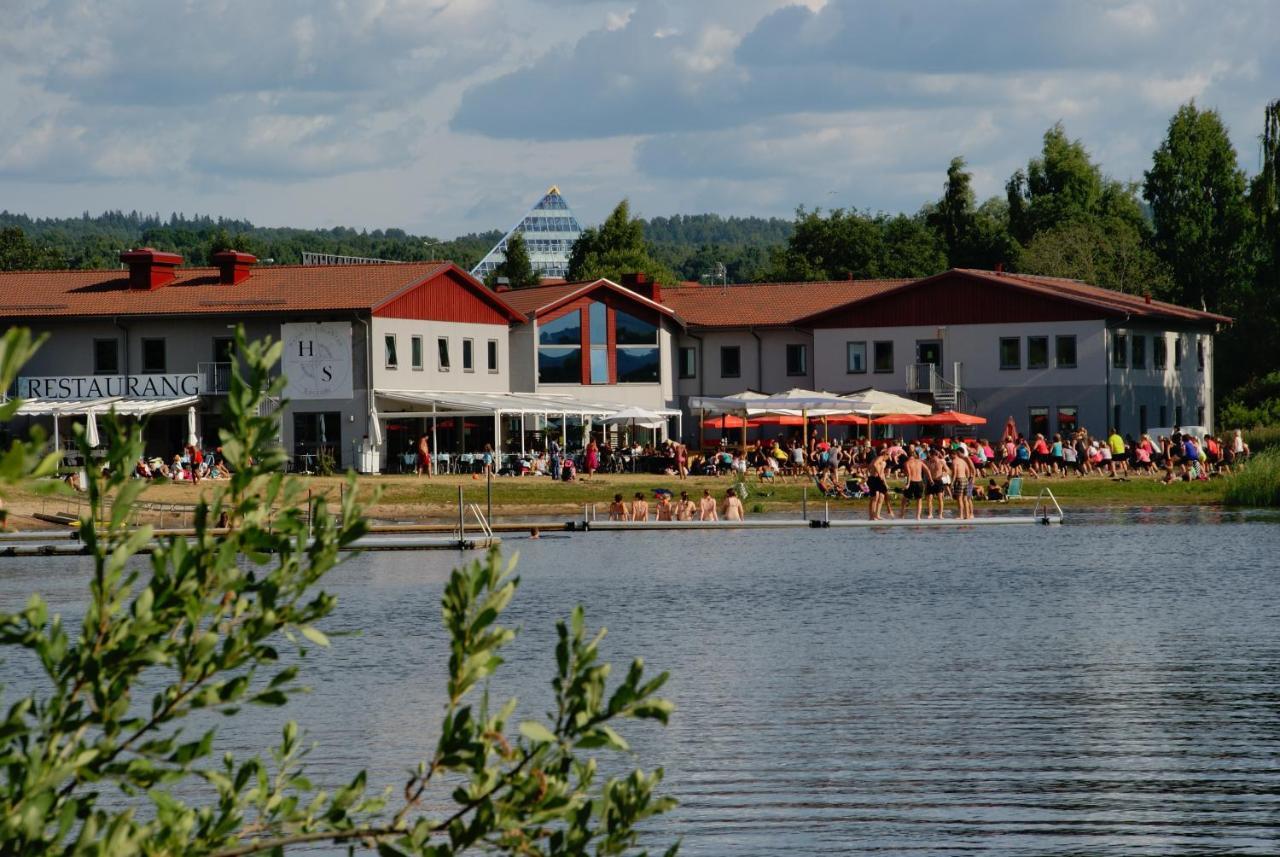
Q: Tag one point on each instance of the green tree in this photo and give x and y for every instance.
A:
(17, 251)
(953, 216)
(1107, 252)
(909, 248)
(516, 267)
(842, 245)
(1197, 195)
(614, 249)
(96, 762)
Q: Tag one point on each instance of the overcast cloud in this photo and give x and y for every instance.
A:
(445, 116)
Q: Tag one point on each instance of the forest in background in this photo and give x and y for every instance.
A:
(1196, 231)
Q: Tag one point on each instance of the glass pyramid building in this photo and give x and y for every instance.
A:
(549, 232)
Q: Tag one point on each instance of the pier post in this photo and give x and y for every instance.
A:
(804, 503)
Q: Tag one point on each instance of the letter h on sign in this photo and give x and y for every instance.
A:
(306, 348)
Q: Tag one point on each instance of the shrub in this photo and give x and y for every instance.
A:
(1257, 483)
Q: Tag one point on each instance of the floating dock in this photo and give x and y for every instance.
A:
(819, 524)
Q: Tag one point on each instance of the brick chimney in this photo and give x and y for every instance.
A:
(233, 266)
(642, 285)
(150, 269)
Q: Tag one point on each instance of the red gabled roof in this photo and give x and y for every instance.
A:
(539, 300)
(1107, 302)
(197, 291)
(766, 304)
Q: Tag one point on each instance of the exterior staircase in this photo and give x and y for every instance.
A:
(945, 395)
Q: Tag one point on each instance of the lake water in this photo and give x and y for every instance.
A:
(1112, 685)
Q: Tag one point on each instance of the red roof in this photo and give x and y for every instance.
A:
(766, 304)
(197, 291)
(1106, 302)
(538, 300)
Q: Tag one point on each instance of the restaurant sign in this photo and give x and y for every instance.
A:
(58, 387)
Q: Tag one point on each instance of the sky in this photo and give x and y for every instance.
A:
(449, 116)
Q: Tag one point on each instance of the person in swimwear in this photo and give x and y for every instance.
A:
(879, 487)
(639, 508)
(618, 510)
(917, 476)
(685, 508)
(707, 507)
(732, 506)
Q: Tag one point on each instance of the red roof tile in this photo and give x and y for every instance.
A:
(270, 288)
(766, 304)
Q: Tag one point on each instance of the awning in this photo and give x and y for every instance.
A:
(122, 407)
(455, 404)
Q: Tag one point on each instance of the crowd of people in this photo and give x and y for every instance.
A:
(664, 508)
(192, 465)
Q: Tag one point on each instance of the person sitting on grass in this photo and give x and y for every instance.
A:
(995, 493)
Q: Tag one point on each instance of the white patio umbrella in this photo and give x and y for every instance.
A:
(91, 428)
(636, 416)
(872, 403)
(192, 438)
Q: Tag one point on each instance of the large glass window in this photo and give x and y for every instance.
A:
(106, 357)
(1037, 352)
(1139, 352)
(797, 359)
(884, 356)
(415, 352)
(559, 365)
(638, 365)
(855, 355)
(730, 361)
(688, 362)
(1068, 419)
(598, 316)
(314, 431)
(389, 351)
(565, 330)
(153, 357)
(600, 364)
(1160, 351)
(1038, 420)
(1065, 356)
(634, 331)
(1119, 350)
(1010, 352)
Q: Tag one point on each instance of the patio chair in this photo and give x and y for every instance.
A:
(1015, 489)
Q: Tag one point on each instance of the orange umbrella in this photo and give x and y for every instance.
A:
(953, 418)
(901, 419)
(846, 420)
(727, 421)
(776, 420)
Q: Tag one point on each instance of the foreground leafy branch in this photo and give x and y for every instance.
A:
(91, 765)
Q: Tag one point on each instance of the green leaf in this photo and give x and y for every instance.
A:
(536, 732)
(315, 636)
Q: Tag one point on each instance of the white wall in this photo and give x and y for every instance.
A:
(763, 361)
(431, 376)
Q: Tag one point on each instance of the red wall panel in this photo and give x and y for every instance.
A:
(444, 297)
(957, 299)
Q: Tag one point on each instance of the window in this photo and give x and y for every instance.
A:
(638, 357)
(1010, 352)
(415, 352)
(1115, 418)
(106, 357)
(1200, 415)
(224, 349)
(797, 364)
(1164, 416)
(492, 355)
(560, 349)
(468, 355)
(883, 352)
(688, 362)
(1119, 350)
(1037, 352)
(1142, 419)
(1065, 352)
(730, 361)
(598, 317)
(855, 355)
(1177, 352)
(1068, 419)
(153, 362)
(389, 351)
(1139, 352)
(317, 430)
(1200, 353)
(442, 353)
(1038, 420)
(1159, 351)
(565, 330)
(1177, 415)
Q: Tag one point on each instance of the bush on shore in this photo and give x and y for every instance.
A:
(1257, 483)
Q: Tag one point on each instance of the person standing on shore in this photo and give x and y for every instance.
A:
(732, 506)
(707, 507)
(639, 508)
(962, 483)
(424, 455)
(917, 476)
(936, 466)
(592, 458)
(879, 487)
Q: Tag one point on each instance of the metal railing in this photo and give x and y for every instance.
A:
(215, 378)
(925, 378)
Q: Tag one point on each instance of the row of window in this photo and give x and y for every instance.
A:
(391, 353)
(550, 224)
(731, 361)
(1131, 351)
(1064, 352)
(1068, 419)
(155, 357)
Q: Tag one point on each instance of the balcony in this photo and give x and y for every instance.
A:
(215, 378)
